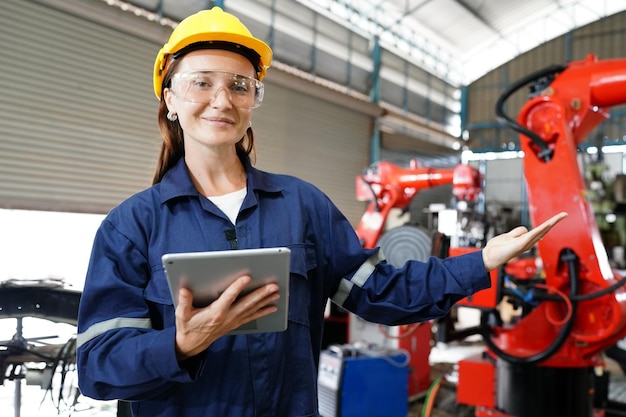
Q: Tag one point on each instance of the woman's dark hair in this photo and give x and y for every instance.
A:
(173, 145)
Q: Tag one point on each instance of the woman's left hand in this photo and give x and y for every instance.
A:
(502, 248)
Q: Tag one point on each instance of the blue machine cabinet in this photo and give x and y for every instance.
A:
(363, 382)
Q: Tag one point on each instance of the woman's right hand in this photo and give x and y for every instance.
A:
(197, 328)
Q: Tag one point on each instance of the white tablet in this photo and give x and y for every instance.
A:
(207, 274)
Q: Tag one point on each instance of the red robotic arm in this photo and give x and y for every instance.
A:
(558, 120)
(576, 308)
(386, 186)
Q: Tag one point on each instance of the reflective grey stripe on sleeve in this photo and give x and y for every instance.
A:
(117, 323)
(359, 278)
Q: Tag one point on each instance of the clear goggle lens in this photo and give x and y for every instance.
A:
(204, 86)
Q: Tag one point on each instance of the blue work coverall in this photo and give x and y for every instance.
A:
(126, 324)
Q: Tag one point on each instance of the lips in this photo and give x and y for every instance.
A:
(219, 120)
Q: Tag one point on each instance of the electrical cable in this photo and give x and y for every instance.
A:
(599, 293)
(545, 153)
(374, 198)
(583, 297)
(62, 364)
(571, 259)
(560, 296)
(398, 364)
(431, 394)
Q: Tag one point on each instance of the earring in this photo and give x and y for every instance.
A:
(172, 117)
(250, 124)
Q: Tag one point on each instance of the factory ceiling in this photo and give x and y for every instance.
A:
(456, 40)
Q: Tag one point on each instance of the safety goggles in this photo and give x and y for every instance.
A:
(204, 86)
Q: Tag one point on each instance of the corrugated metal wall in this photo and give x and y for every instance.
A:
(79, 128)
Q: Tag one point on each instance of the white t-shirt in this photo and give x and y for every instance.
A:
(230, 203)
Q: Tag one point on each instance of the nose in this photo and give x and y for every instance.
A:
(221, 100)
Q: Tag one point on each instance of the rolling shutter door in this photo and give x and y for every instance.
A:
(321, 142)
(79, 127)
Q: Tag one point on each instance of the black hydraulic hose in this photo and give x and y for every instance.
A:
(600, 293)
(375, 199)
(545, 153)
(572, 260)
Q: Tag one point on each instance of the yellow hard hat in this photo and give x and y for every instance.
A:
(212, 25)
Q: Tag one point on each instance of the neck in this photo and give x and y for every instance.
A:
(217, 177)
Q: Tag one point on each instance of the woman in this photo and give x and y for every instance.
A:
(133, 345)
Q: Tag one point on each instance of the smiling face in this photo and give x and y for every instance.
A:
(219, 124)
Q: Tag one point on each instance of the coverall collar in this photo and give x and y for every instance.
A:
(177, 182)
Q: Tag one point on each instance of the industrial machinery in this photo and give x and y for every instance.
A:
(38, 361)
(346, 387)
(571, 302)
(388, 186)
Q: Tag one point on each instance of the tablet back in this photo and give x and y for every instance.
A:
(207, 274)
